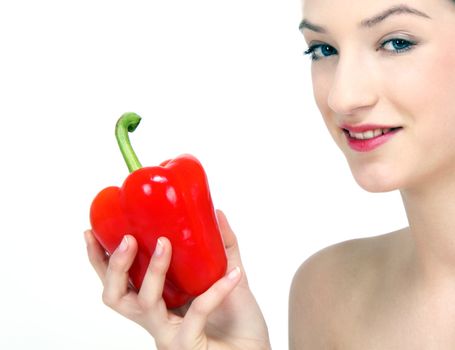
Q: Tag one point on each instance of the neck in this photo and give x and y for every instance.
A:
(430, 210)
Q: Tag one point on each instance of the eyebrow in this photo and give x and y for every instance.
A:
(370, 22)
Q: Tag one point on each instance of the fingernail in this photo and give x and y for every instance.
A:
(123, 245)
(234, 273)
(159, 249)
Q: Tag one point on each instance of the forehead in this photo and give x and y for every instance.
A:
(327, 11)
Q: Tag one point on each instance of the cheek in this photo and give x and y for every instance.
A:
(433, 83)
(321, 87)
(422, 85)
(318, 86)
(434, 103)
(424, 97)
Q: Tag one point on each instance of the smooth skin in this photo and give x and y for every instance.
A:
(226, 316)
(393, 291)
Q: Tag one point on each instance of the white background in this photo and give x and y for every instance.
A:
(223, 80)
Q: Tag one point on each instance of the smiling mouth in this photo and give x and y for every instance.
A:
(370, 134)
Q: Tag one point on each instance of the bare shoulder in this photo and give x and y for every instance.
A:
(328, 288)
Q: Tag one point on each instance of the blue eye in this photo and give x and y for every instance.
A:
(398, 45)
(326, 50)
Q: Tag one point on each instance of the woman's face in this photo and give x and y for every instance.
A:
(386, 68)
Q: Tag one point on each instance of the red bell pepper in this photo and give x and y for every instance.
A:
(171, 200)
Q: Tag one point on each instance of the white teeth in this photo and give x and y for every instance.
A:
(368, 134)
(356, 135)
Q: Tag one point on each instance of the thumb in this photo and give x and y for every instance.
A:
(226, 230)
(230, 240)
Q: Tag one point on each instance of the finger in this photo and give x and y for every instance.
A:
(116, 277)
(152, 286)
(229, 237)
(96, 254)
(230, 240)
(196, 318)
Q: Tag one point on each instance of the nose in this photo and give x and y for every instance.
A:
(353, 86)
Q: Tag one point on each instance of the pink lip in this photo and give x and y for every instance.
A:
(370, 144)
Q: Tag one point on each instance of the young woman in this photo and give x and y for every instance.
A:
(383, 76)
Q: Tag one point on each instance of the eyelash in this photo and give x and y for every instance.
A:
(410, 46)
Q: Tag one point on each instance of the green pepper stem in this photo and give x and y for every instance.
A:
(128, 122)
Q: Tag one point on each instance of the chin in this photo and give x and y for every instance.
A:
(376, 186)
(375, 181)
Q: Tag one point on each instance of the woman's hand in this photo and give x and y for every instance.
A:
(226, 316)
